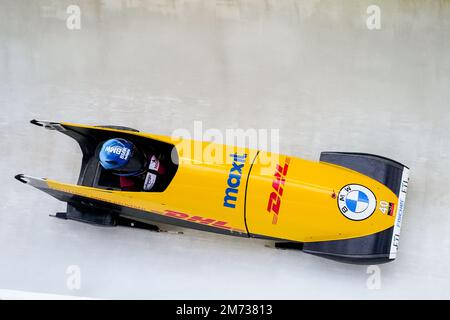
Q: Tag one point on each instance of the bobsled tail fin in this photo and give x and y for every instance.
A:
(78, 209)
(379, 247)
(83, 209)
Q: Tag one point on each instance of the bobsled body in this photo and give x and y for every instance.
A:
(347, 206)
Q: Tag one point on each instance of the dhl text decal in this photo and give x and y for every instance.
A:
(278, 183)
(201, 220)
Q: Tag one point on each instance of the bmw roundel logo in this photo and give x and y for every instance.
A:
(356, 202)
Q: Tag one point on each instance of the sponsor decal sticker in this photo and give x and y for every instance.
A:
(279, 180)
(387, 208)
(391, 209)
(356, 202)
(234, 180)
(399, 216)
(202, 220)
(123, 153)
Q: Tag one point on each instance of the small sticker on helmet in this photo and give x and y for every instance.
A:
(125, 154)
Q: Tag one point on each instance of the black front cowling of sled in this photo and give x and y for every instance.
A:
(384, 170)
(374, 248)
(371, 249)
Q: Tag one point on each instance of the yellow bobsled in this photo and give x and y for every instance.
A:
(347, 206)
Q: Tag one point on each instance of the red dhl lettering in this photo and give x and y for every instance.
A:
(277, 184)
(201, 220)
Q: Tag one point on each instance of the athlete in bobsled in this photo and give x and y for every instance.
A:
(137, 170)
(347, 206)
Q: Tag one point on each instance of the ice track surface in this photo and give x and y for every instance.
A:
(310, 68)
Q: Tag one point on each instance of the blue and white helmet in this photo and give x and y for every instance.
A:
(122, 157)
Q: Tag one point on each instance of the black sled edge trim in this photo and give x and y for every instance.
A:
(374, 248)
